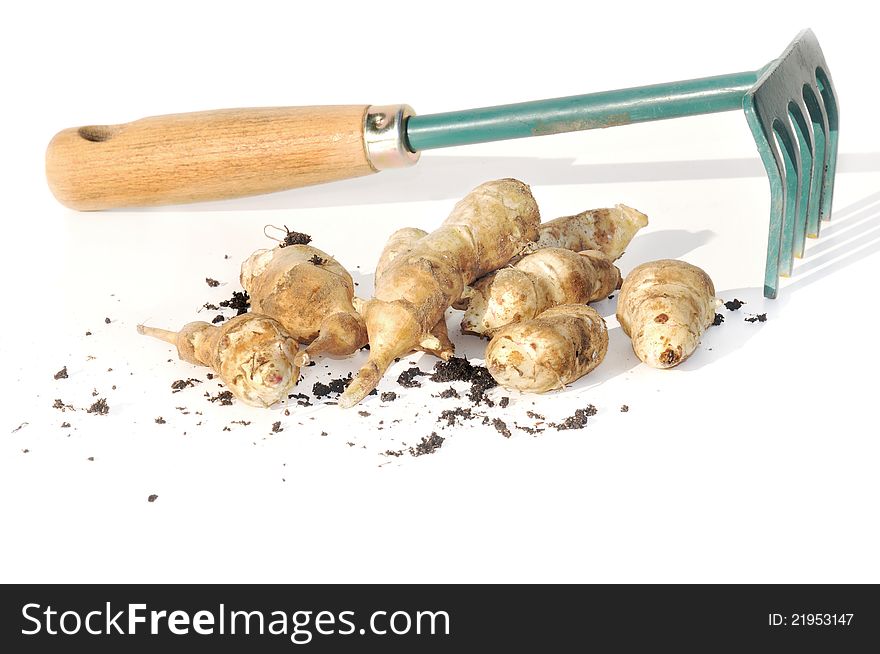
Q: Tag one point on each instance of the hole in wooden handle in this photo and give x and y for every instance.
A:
(98, 133)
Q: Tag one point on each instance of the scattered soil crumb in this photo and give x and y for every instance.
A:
(323, 433)
(240, 302)
(276, 427)
(577, 421)
(503, 402)
(761, 317)
(624, 408)
(455, 416)
(718, 320)
(349, 443)
(243, 423)
(160, 420)
(25, 451)
(611, 297)
(529, 430)
(734, 304)
(180, 384)
(339, 385)
(407, 378)
(218, 318)
(388, 396)
(152, 498)
(88, 333)
(294, 238)
(317, 261)
(301, 399)
(91, 458)
(65, 425)
(393, 452)
(223, 397)
(213, 283)
(210, 375)
(22, 425)
(448, 393)
(501, 426)
(365, 414)
(107, 321)
(61, 374)
(428, 445)
(210, 307)
(100, 407)
(94, 392)
(59, 404)
(536, 416)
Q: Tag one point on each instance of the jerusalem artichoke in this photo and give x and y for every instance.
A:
(559, 346)
(664, 307)
(252, 354)
(606, 230)
(310, 294)
(538, 281)
(437, 341)
(484, 231)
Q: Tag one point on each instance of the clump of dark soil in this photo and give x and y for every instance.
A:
(301, 398)
(388, 396)
(407, 378)
(59, 404)
(393, 452)
(460, 369)
(61, 374)
(718, 320)
(624, 408)
(223, 397)
(317, 261)
(448, 393)
(276, 427)
(320, 390)
(240, 302)
(152, 498)
(180, 384)
(455, 416)
(761, 317)
(428, 445)
(218, 318)
(294, 238)
(501, 426)
(734, 304)
(100, 407)
(213, 283)
(160, 420)
(577, 421)
(503, 402)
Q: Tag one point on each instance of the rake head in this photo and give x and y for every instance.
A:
(792, 111)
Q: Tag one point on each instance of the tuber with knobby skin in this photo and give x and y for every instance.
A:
(538, 281)
(558, 347)
(485, 230)
(252, 354)
(310, 294)
(607, 230)
(400, 242)
(664, 307)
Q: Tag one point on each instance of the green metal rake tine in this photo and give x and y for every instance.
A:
(790, 106)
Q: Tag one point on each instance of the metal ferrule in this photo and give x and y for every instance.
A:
(385, 136)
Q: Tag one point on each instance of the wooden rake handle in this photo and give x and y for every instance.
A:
(216, 155)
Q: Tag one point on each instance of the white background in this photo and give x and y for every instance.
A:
(755, 461)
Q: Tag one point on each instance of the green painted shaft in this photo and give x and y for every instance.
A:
(591, 111)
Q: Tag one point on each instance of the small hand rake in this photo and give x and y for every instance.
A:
(790, 105)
